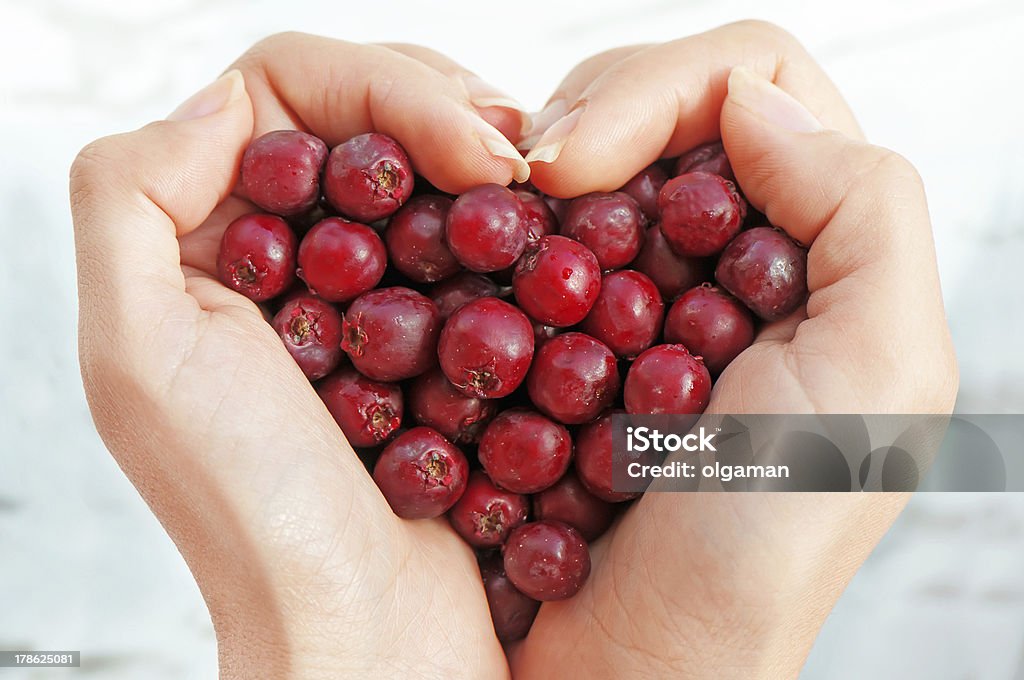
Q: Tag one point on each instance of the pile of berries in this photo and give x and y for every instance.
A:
(472, 348)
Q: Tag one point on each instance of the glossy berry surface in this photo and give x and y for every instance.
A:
(711, 324)
(512, 613)
(257, 256)
(644, 188)
(574, 377)
(700, 213)
(486, 228)
(547, 560)
(368, 412)
(451, 294)
(628, 313)
(667, 379)
(593, 460)
(485, 515)
(421, 474)
(390, 334)
(415, 240)
(568, 501)
(557, 281)
(706, 158)
(434, 402)
(368, 177)
(673, 274)
(311, 331)
(766, 270)
(281, 171)
(486, 348)
(340, 260)
(525, 452)
(609, 224)
(538, 216)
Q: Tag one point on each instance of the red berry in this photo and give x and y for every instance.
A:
(421, 474)
(434, 402)
(547, 560)
(627, 315)
(485, 515)
(512, 613)
(486, 228)
(706, 158)
(559, 206)
(569, 501)
(451, 294)
(281, 171)
(368, 412)
(610, 224)
(712, 324)
(671, 273)
(667, 379)
(257, 256)
(766, 270)
(593, 459)
(390, 334)
(557, 281)
(368, 177)
(486, 347)
(700, 213)
(644, 188)
(415, 240)
(539, 218)
(573, 378)
(340, 260)
(524, 452)
(311, 331)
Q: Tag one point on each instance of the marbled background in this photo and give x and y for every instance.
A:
(83, 564)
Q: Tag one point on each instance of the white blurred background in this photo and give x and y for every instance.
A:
(83, 564)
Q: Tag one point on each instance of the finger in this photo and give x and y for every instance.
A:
(666, 99)
(337, 90)
(875, 308)
(495, 106)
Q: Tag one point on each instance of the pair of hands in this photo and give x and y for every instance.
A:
(305, 570)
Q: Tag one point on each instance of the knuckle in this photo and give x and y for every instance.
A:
(765, 30)
(92, 168)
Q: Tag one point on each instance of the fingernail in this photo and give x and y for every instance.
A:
(213, 98)
(497, 145)
(769, 102)
(551, 142)
(483, 95)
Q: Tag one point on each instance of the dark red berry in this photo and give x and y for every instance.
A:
(644, 188)
(547, 560)
(700, 213)
(766, 270)
(486, 228)
(557, 280)
(368, 177)
(569, 501)
(539, 218)
(573, 378)
(706, 158)
(257, 256)
(667, 379)
(610, 224)
(485, 515)
(593, 459)
(340, 260)
(390, 334)
(525, 452)
(486, 348)
(512, 613)
(368, 412)
(415, 240)
(311, 331)
(451, 294)
(712, 324)
(559, 206)
(627, 315)
(421, 474)
(671, 273)
(281, 171)
(434, 402)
